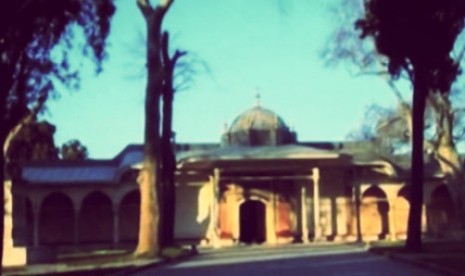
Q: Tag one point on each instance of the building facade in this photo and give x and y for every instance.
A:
(258, 185)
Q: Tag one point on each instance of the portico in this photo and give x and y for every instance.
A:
(286, 186)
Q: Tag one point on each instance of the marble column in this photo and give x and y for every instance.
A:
(35, 225)
(115, 224)
(316, 202)
(77, 211)
(391, 219)
(214, 209)
(303, 205)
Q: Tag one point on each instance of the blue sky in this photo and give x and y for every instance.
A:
(271, 44)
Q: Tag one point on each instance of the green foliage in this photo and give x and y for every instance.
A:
(73, 150)
(29, 31)
(34, 142)
(419, 34)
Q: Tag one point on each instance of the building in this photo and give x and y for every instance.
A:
(259, 185)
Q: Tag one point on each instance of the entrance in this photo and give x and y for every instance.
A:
(252, 222)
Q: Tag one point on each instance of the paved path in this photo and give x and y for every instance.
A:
(341, 260)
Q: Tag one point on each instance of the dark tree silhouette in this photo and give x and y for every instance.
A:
(34, 142)
(445, 121)
(168, 159)
(29, 31)
(417, 37)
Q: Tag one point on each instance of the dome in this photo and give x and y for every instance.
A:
(257, 118)
(258, 126)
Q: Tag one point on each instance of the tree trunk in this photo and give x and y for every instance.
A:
(168, 167)
(420, 92)
(2, 193)
(149, 178)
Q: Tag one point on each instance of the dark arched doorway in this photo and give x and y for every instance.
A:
(440, 211)
(56, 220)
(96, 219)
(252, 222)
(129, 213)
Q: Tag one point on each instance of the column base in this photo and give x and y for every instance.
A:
(14, 256)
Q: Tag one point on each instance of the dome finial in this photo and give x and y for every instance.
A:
(257, 96)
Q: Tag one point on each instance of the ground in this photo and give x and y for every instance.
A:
(289, 260)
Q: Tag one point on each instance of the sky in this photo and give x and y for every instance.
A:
(238, 46)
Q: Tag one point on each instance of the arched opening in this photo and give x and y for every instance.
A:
(129, 213)
(374, 213)
(56, 220)
(252, 222)
(402, 208)
(441, 211)
(96, 219)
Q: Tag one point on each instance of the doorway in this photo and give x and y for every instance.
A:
(252, 222)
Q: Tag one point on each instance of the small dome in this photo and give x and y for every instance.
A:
(257, 118)
(258, 126)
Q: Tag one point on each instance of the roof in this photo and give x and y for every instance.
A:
(257, 118)
(109, 171)
(259, 153)
(58, 174)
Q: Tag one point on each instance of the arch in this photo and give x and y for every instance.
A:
(129, 213)
(252, 221)
(96, 219)
(56, 220)
(402, 208)
(440, 211)
(374, 213)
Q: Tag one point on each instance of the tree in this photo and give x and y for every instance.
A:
(149, 177)
(73, 150)
(445, 125)
(168, 161)
(34, 142)
(417, 38)
(29, 31)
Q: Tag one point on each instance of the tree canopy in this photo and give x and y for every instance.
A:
(417, 37)
(29, 32)
(412, 33)
(73, 150)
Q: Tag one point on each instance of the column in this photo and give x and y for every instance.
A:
(275, 221)
(357, 194)
(77, 211)
(303, 205)
(214, 209)
(115, 224)
(391, 218)
(316, 202)
(35, 225)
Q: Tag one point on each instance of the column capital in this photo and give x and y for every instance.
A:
(316, 174)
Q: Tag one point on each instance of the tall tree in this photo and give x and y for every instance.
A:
(29, 31)
(445, 126)
(168, 162)
(417, 38)
(149, 177)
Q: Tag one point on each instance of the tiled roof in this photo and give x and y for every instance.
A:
(58, 174)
